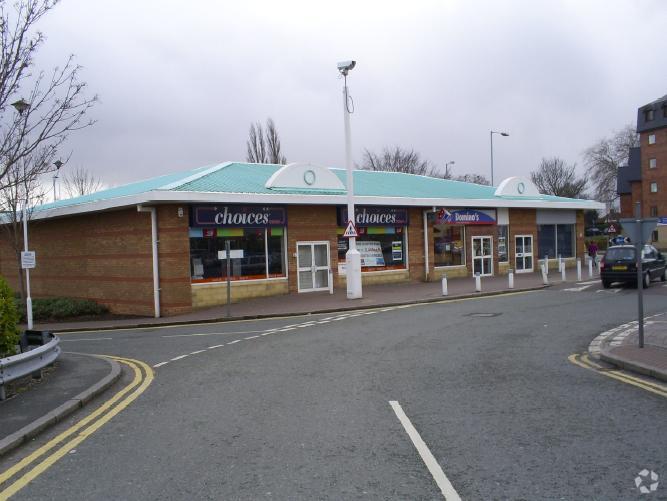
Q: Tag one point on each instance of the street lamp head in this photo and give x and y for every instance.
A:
(58, 164)
(345, 66)
(504, 134)
(21, 106)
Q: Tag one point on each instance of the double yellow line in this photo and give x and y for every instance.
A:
(585, 362)
(143, 377)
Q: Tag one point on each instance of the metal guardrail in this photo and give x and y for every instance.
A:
(24, 364)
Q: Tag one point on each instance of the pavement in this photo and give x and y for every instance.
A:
(78, 378)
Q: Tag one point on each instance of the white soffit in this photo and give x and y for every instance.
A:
(517, 186)
(305, 177)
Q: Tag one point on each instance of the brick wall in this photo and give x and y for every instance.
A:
(106, 257)
(658, 174)
(522, 222)
(416, 244)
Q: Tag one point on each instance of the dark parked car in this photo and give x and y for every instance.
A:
(619, 265)
(593, 232)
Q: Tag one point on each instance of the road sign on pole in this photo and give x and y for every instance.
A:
(639, 230)
(27, 260)
(350, 231)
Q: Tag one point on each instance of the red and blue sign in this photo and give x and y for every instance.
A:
(464, 216)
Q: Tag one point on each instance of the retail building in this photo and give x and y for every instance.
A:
(154, 247)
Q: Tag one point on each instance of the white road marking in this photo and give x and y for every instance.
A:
(211, 334)
(267, 333)
(287, 329)
(198, 351)
(87, 339)
(215, 346)
(589, 282)
(609, 291)
(578, 289)
(235, 341)
(160, 364)
(439, 476)
(251, 337)
(324, 321)
(178, 358)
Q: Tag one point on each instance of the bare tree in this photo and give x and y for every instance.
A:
(556, 177)
(473, 178)
(51, 105)
(81, 182)
(396, 159)
(603, 160)
(264, 148)
(22, 188)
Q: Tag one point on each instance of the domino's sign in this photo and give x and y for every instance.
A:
(465, 217)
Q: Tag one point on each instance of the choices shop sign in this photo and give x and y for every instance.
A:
(465, 216)
(375, 216)
(244, 216)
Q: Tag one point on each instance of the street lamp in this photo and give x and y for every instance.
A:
(58, 165)
(21, 106)
(505, 134)
(352, 256)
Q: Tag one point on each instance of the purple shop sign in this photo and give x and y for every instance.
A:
(243, 216)
(375, 216)
(464, 216)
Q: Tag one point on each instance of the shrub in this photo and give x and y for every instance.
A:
(9, 317)
(59, 308)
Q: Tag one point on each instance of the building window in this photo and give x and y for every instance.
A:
(654, 211)
(654, 187)
(381, 247)
(649, 115)
(555, 239)
(652, 163)
(654, 236)
(260, 253)
(503, 256)
(448, 245)
(651, 139)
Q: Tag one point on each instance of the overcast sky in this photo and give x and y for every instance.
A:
(180, 82)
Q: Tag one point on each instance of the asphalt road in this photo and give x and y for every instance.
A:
(299, 408)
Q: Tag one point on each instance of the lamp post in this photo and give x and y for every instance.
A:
(447, 164)
(58, 165)
(505, 134)
(352, 256)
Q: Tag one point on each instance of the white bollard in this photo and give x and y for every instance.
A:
(578, 270)
(546, 264)
(444, 286)
(510, 278)
(590, 267)
(331, 291)
(562, 273)
(545, 278)
(560, 263)
(478, 283)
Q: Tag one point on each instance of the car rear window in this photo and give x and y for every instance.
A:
(620, 254)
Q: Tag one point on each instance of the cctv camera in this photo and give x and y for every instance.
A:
(345, 66)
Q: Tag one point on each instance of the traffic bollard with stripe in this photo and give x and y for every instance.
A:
(445, 292)
(510, 278)
(478, 283)
(578, 270)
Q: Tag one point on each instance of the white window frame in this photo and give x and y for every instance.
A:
(472, 258)
(532, 253)
(654, 187)
(312, 243)
(652, 163)
(651, 139)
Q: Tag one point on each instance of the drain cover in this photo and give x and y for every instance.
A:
(484, 314)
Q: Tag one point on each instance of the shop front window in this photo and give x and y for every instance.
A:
(555, 240)
(381, 247)
(503, 255)
(448, 245)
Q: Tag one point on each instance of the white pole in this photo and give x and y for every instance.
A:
(578, 270)
(545, 278)
(28, 299)
(546, 263)
(445, 291)
(560, 263)
(510, 277)
(590, 267)
(562, 273)
(331, 290)
(478, 283)
(352, 256)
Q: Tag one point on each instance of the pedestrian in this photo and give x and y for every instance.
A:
(593, 253)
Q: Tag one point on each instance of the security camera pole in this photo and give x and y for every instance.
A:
(352, 256)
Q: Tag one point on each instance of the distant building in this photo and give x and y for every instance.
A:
(644, 179)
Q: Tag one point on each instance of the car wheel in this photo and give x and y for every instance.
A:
(606, 284)
(647, 280)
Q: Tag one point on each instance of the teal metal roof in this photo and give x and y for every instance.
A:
(251, 179)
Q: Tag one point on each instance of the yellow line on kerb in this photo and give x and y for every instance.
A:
(136, 366)
(586, 363)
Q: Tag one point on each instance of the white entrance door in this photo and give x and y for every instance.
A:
(312, 262)
(523, 253)
(482, 256)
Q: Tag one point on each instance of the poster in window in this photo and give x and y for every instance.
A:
(397, 250)
(371, 253)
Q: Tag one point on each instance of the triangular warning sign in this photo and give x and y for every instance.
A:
(350, 231)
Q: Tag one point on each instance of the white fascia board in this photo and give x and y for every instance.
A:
(188, 197)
